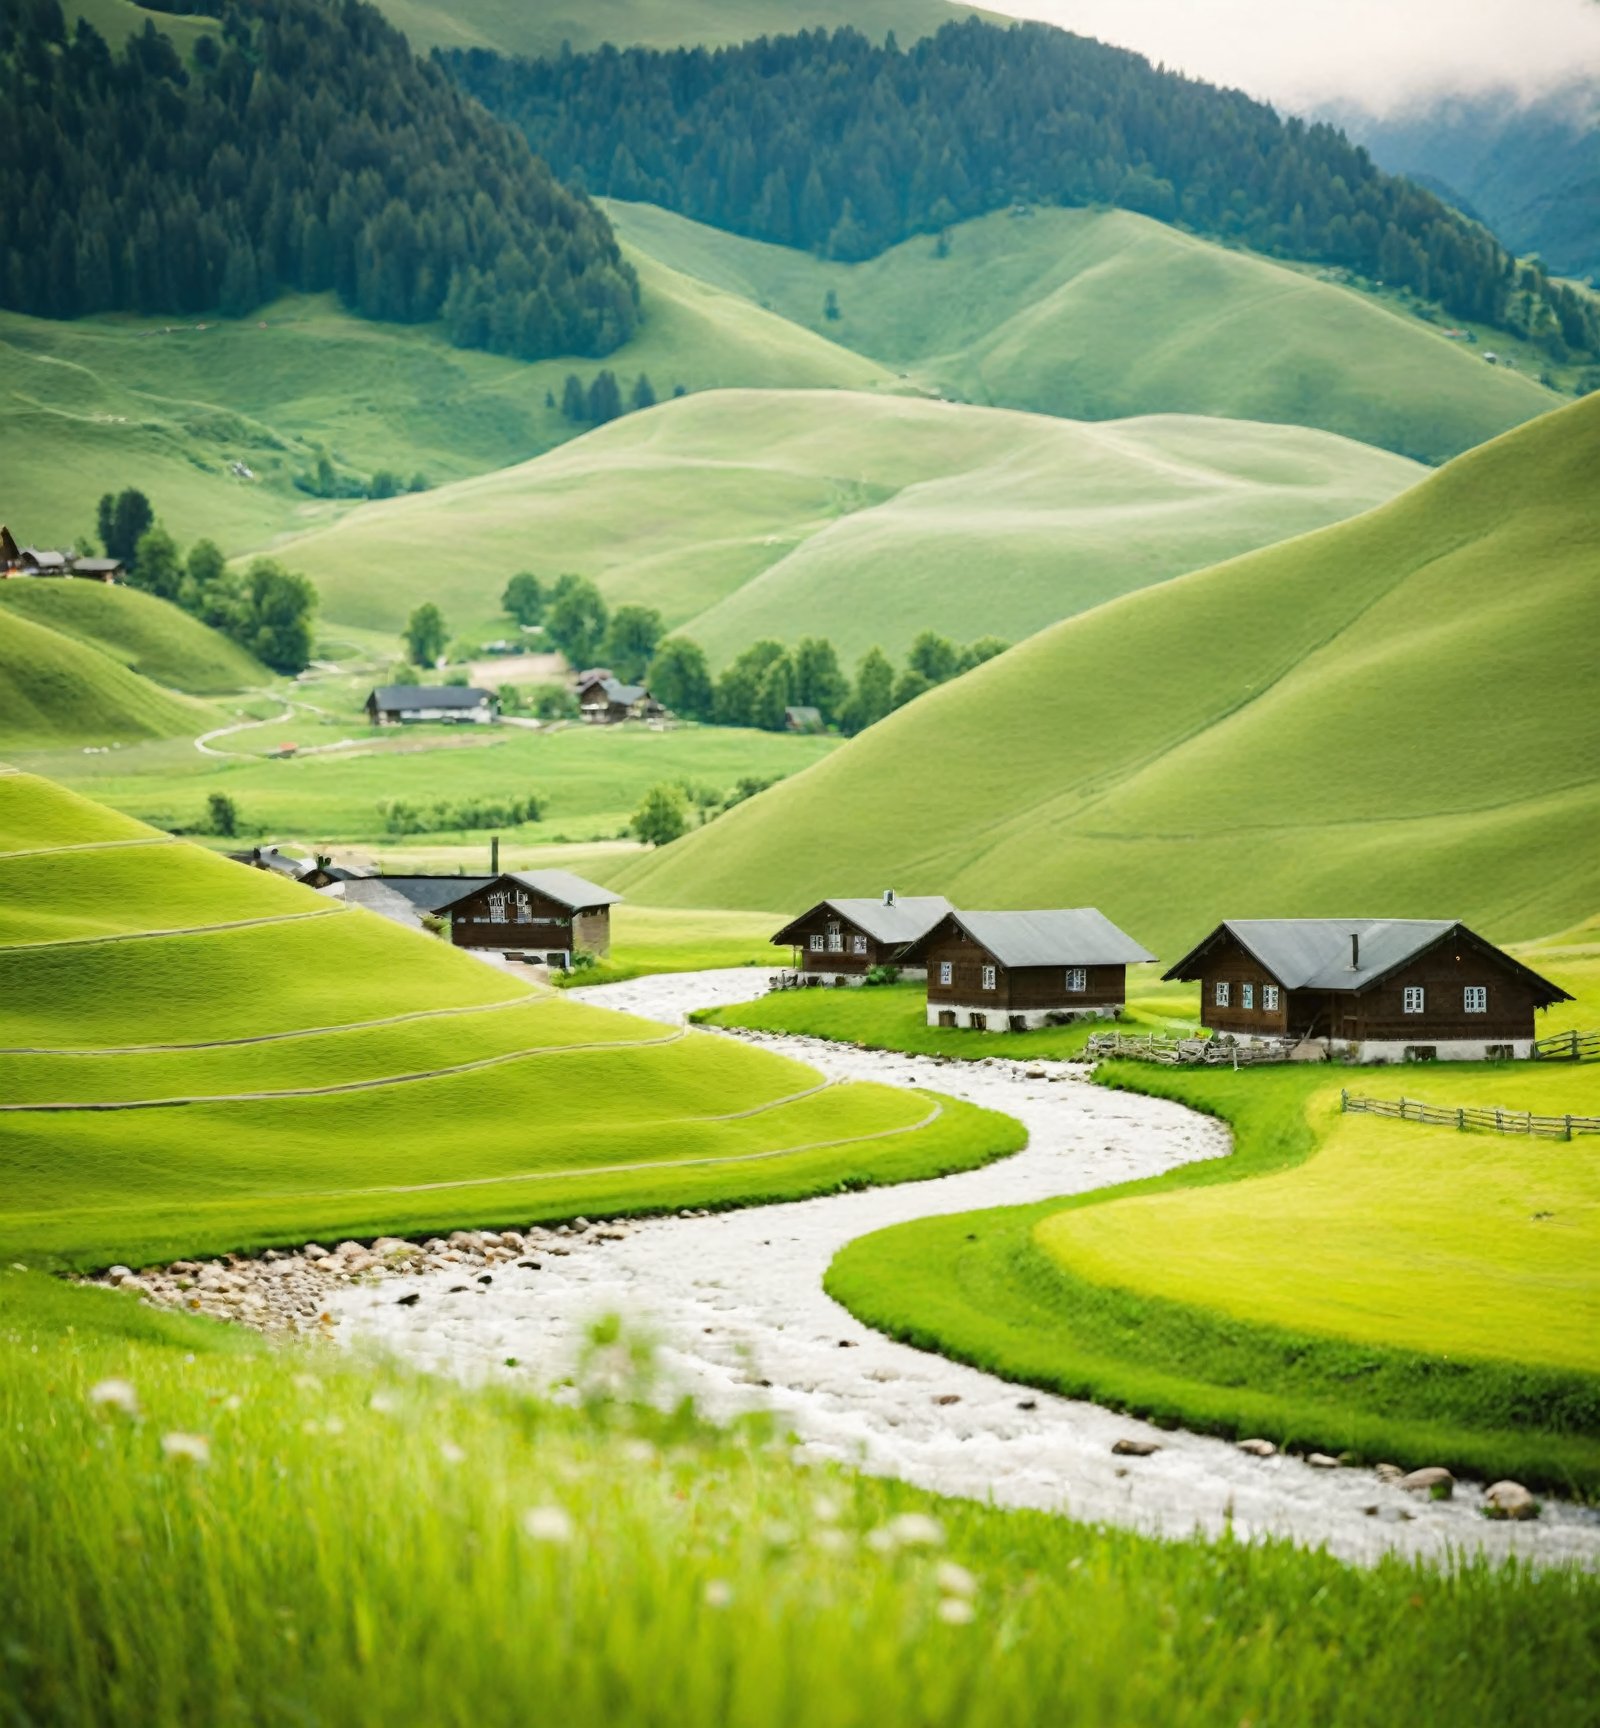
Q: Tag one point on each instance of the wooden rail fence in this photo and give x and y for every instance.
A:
(1465, 1116)
(1567, 1047)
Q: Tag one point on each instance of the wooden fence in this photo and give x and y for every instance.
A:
(1567, 1047)
(1183, 1052)
(1465, 1116)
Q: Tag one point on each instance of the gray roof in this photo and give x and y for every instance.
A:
(899, 920)
(1315, 953)
(430, 696)
(573, 892)
(95, 566)
(425, 893)
(1076, 936)
(624, 694)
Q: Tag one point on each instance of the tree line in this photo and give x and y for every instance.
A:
(844, 147)
(307, 149)
(266, 609)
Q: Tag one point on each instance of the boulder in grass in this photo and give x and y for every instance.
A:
(1258, 1448)
(1433, 1480)
(1135, 1448)
(1509, 1500)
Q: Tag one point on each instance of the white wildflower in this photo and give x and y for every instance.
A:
(385, 1403)
(956, 1611)
(718, 1593)
(916, 1530)
(191, 1448)
(548, 1524)
(826, 1509)
(832, 1541)
(955, 1580)
(638, 1451)
(451, 1453)
(115, 1395)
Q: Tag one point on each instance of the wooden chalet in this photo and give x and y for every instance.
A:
(18, 560)
(1378, 989)
(801, 718)
(1016, 971)
(605, 701)
(540, 916)
(840, 941)
(405, 704)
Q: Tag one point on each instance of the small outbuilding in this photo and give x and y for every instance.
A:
(841, 941)
(404, 704)
(542, 916)
(1376, 989)
(1017, 971)
(803, 719)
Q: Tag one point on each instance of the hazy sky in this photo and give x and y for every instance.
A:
(1384, 54)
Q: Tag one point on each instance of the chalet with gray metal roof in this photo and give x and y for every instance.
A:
(606, 701)
(1017, 971)
(841, 941)
(542, 916)
(1377, 989)
(404, 704)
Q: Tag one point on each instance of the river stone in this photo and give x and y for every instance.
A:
(1258, 1448)
(1433, 1479)
(1388, 1472)
(1126, 1448)
(314, 1251)
(1321, 1461)
(1509, 1500)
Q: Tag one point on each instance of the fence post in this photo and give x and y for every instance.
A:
(1499, 1126)
(1344, 1099)
(1569, 1125)
(1461, 1119)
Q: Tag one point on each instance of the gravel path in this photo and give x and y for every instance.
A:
(736, 1301)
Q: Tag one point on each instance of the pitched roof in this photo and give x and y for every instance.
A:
(623, 694)
(800, 714)
(1059, 936)
(566, 889)
(1315, 953)
(429, 893)
(898, 920)
(430, 696)
(97, 566)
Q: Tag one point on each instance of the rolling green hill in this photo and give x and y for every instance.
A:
(284, 1066)
(1099, 314)
(149, 636)
(56, 690)
(867, 518)
(1394, 715)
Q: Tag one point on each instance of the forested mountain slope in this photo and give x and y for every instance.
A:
(1393, 716)
(308, 149)
(1098, 314)
(836, 144)
(865, 518)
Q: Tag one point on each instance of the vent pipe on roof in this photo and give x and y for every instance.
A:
(888, 896)
(1355, 951)
(494, 856)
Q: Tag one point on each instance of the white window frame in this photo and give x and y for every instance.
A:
(497, 909)
(1077, 977)
(858, 944)
(1414, 1000)
(947, 972)
(1222, 994)
(1475, 999)
(836, 942)
(1247, 996)
(1269, 998)
(816, 944)
(524, 909)
(988, 978)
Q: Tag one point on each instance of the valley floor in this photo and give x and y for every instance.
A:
(738, 1301)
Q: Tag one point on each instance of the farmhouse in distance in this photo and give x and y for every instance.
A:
(403, 704)
(841, 941)
(1378, 989)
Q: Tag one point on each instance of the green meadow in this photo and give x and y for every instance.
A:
(867, 517)
(257, 1534)
(1103, 314)
(1395, 709)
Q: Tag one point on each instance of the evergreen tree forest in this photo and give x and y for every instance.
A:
(307, 149)
(836, 145)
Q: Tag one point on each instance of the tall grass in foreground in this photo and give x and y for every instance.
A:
(198, 1529)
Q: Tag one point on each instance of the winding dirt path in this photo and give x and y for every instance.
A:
(736, 1301)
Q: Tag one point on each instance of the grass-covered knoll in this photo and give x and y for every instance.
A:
(542, 1108)
(1395, 709)
(57, 690)
(149, 636)
(868, 517)
(590, 780)
(895, 1017)
(1098, 314)
(393, 1548)
(647, 939)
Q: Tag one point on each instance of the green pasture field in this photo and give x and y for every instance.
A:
(117, 20)
(591, 779)
(1099, 314)
(894, 1017)
(1289, 734)
(868, 517)
(647, 939)
(149, 636)
(358, 1549)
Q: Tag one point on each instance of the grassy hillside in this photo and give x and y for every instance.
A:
(542, 26)
(1099, 314)
(111, 402)
(149, 636)
(254, 1103)
(117, 20)
(866, 517)
(56, 691)
(1391, 716)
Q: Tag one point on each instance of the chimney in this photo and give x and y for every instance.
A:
(1355, 952)
(888, 896)
(494, 856)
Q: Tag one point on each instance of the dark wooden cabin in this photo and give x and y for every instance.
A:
(605, 701)
(544, 916)
(840, 941)
(1381, 989)
(1015, 971)
(405, 704)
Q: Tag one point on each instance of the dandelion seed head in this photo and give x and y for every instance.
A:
(116, 1395)
(718, 1593)
(187, 1448)
(548, 1524)
(956, 1611)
